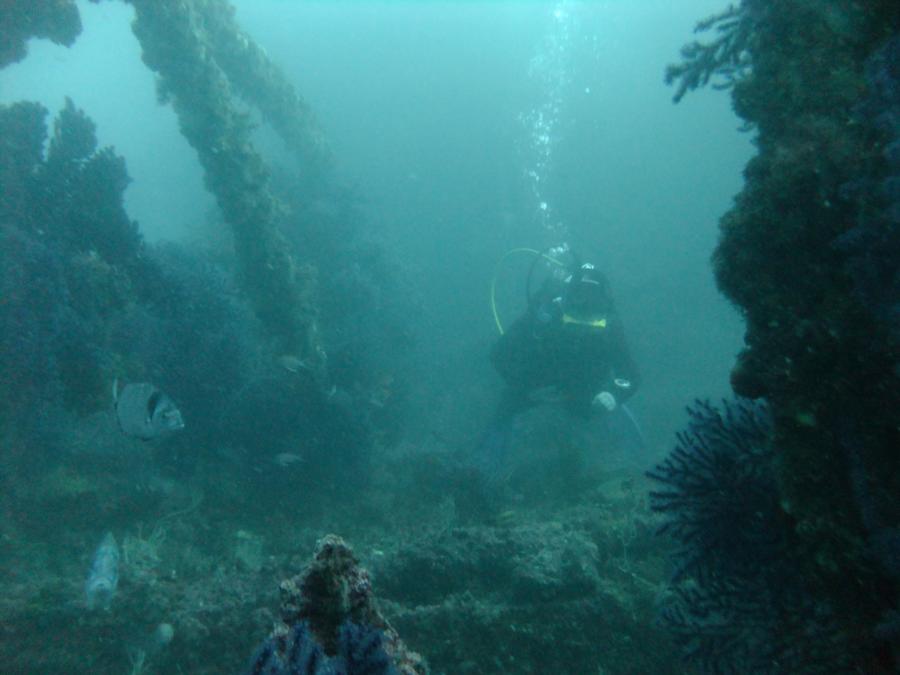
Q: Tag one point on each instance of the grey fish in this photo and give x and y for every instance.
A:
(104, 575)
(285, 459)
(145, 412)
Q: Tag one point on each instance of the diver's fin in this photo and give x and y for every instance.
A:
(492, 461)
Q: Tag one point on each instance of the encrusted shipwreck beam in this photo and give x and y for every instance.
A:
(173, 38)
(262, 84)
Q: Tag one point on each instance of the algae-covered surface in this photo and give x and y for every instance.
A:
(253, 260)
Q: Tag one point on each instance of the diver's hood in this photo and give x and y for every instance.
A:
(587, 298)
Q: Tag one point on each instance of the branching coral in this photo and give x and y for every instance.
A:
(726, 58)
(84, 300)
(81, 189)
(68, 250)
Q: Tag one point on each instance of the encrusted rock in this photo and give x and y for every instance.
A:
(334, 589)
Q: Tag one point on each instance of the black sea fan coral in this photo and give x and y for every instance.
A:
(719, 490)
(739, 601)
(725, 59)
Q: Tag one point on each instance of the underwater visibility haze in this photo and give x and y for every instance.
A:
(449, 337)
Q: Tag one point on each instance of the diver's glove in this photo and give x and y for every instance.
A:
(604, 401)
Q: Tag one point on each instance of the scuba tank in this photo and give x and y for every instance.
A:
(556, 264)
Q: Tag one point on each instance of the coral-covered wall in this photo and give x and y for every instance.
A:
(812, 223)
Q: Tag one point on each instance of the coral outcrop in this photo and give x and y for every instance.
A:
(71, 257)
(57, 20)
(334, 592)
(808, 232)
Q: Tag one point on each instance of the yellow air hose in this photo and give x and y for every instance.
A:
(497, 267)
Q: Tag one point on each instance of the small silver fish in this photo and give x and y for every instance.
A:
(144, 412)
(104, 575)
(285, 459)
(293, 364)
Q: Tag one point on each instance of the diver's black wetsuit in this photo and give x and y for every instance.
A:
(541, 350)
(571, 342)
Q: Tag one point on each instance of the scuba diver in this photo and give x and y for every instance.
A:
(569, 342)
